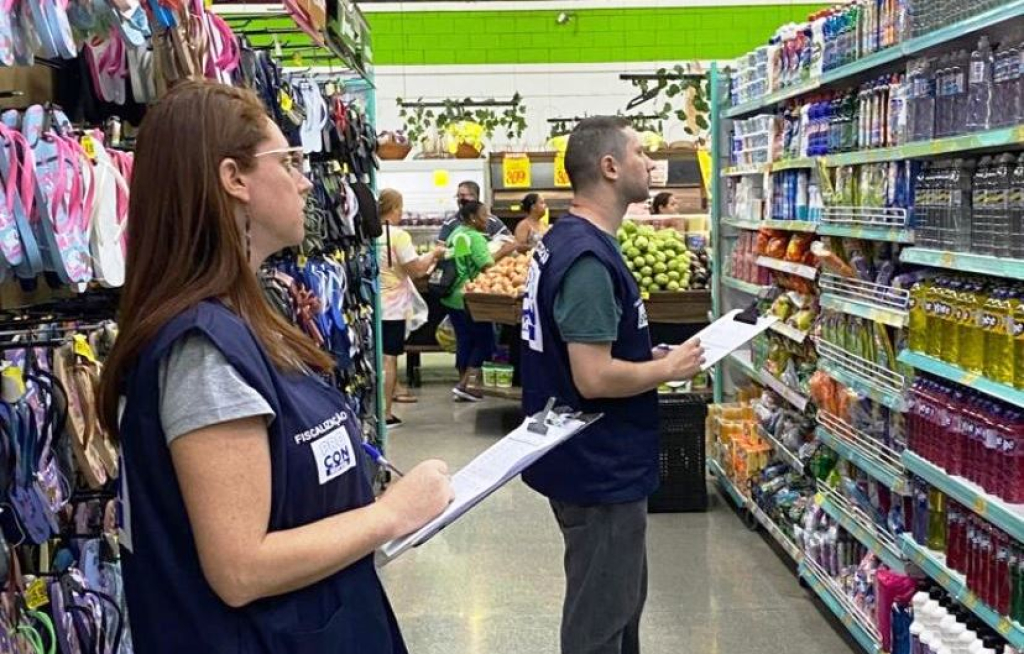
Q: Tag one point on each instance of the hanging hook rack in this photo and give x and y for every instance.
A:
(468, 102)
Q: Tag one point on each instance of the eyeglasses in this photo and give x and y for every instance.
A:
(292, 160)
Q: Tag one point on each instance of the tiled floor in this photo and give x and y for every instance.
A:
(492, 583)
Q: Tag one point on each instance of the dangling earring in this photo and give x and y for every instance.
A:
(248, 237)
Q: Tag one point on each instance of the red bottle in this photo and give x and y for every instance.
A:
(1001, 574)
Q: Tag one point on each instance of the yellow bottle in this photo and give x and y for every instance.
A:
(973, 311)
(949, 350)
(917, 333)
(1002, 346)
(933, 312)
(1018, 345)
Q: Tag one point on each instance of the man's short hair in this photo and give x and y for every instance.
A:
(592, 139)
(472, 186)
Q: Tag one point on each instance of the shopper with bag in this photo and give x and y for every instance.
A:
(468, 256)
(586, 344)
(404, 310)
(249, 525)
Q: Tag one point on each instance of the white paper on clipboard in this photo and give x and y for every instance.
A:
(727, 334)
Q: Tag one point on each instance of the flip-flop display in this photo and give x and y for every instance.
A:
(63, 200)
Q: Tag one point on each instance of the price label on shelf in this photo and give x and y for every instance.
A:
(943, 578)
(847, 620)
(970, 378)
(515, 170)
(981, 506)
(918, 558)
(1004, 627)
(561, 177)
(947, 260)
(970, 600)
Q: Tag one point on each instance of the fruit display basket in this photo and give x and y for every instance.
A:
(494, 307)
(679, 307)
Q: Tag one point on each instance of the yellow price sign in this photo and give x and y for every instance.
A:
(36, 595)
(561, 177)
(970, 600)
(441, 178)
(89, 146)
(1004, 626)
(515, 170)
(981, 506)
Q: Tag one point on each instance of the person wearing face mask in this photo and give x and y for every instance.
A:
(586, 344)
(474, 341)
(469, 191)
(249, 525)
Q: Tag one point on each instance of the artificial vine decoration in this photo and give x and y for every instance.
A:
(678, 82)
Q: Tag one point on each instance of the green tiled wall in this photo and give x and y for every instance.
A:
(592, 36)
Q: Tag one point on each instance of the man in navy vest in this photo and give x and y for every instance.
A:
(586, 343)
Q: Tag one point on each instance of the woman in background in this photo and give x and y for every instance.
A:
(474, 341)
(404, 310)
(664, 203)
(530, 229)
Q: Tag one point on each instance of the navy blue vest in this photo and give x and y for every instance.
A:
(317, 470)
(616, 459)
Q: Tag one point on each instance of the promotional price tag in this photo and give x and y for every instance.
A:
(970, 600)
(561, 177)
(83, 349)
(36, 595)
(515, 170)
(980, 506)
(948, 259)
(970, 378)
(441, 178)
(1004, 626)
(89, 146)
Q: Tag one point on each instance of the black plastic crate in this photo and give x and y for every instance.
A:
(681, 454)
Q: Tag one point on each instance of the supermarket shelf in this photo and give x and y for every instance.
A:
(783, 225)
(857, 524)
(860, 458)
(740, 285)
(781, 450)
(965, 262)
(933, 564)
(883, 57)
(790, 332)
(742, 359)
(887, 398)
(794, 164)
(749, 169)
(730, 488)
(1008, 517)
(791, 225)
(771, 99)
(740, 223)
(892, 234)
(840, 605)
(788, 546)
(891, 317)
(514, 394)
(953, 373)
(800, 270)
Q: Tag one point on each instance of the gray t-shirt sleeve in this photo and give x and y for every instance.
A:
(199, 388)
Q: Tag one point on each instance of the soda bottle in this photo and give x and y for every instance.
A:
(950, 329)
(936, 520)
(933, 311)
(1000, 344)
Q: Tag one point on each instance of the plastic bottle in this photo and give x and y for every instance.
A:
(949, 330)
(958, 223)
(924, 114)
(999, 204)
(917, 335)
(1006, 104)
(979, 107)
(937, 523)
(943, 95)
(999, 343)
(981, 214)
(959, 69)
(1015, 207)
(972, 309)
(933, 311)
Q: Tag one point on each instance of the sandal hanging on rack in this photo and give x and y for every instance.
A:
(108, 221)
(18, 163)
(89, 464)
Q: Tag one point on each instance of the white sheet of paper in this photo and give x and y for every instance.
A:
(726, 334)
(492, 469)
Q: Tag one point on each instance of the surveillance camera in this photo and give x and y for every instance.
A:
(562, 19)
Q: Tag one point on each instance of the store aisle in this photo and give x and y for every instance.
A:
(492, 584)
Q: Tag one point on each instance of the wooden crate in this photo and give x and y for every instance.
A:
(490, 307)
(679, 307)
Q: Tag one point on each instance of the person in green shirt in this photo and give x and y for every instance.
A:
(474, 341)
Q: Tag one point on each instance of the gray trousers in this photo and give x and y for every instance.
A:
(605, 576)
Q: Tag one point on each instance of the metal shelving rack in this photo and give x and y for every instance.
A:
(883, 305)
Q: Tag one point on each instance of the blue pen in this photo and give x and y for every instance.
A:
(379, 459)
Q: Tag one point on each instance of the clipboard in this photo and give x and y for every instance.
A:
(731, 332)
(496, 466)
